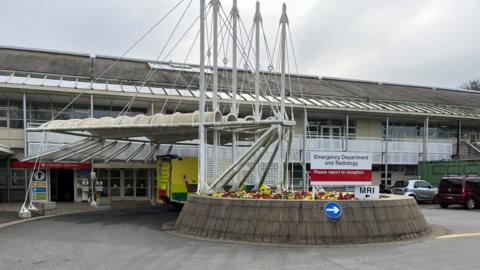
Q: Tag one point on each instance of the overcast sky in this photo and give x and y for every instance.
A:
(428, 42)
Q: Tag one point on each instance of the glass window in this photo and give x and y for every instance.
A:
(99, 86)
(171, 91)
(68, 82)
(3, 174)
(141, 183)
(18, 79)
(114, 87)
(84, 84)
(18, 178)
(36, 80)
(157, 90)
(144, 89)
(185, 92)
(128, 181)
(129, 88)
(52, 81)
(115, 183)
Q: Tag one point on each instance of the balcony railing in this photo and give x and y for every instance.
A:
(400, 151)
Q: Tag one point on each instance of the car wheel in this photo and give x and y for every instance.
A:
(470, 203)
(444, 205)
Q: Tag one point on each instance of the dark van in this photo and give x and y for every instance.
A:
(463, 190)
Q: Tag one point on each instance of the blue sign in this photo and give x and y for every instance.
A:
(39, 189)
(333, 210)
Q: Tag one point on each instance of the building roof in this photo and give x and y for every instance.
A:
(41, 67)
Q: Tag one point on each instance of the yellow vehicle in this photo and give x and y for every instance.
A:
(177, 177)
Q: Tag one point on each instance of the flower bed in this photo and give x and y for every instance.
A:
(298, 195)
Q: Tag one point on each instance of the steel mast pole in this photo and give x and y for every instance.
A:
(283, 40)
(257, 19)
(201, 109)
(283, 22)
(235, 15)
(215, 7)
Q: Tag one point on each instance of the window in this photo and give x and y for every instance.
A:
(141, 183)
(103, 178)
(3, 174)
(115, 183)
(15, 114)
(129, 181)
(18, 178)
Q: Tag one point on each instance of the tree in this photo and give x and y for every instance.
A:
(472, 85)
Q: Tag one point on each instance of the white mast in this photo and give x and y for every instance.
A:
(283, 40)
(281, 168)
(235, 15)
(201, 127)
(215, 7)
(234, 111)
(257, 20)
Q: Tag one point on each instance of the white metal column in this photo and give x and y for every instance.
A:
(425, 139)
(201, 127)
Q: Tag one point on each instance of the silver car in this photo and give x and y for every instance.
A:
(421, 190)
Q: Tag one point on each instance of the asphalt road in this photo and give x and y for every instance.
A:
(133, 239)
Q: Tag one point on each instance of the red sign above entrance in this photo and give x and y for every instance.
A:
(51, 165)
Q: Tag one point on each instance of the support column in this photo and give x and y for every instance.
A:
(304, 151)
(425, 139)
(459, 137)
(257, 114)
(387, 138)
(152, 108)
(91, 107)
(283, 40)
(347, 120)
(24, 110)
(235, 14)
(257, 20)
(201, 127)
(25, 142)
(215, 7)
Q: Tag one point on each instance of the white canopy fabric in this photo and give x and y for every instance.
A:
(5, 151)
(158, 128)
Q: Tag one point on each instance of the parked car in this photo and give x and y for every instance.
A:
(463, 190)
(421, 190)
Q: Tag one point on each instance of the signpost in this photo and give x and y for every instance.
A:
(40, 187)
(333, 210)
(340, 169)
(367, 192)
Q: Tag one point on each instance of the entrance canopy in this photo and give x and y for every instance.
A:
(140, 138)
(158, 128)
(5, 151)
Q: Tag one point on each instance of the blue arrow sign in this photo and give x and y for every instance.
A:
(333, 210)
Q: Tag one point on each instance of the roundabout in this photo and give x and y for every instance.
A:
(302, 222)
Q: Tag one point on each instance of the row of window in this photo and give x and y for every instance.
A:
(11, 112)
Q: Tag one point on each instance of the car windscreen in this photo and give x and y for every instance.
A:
(451, 183)
(401, 184)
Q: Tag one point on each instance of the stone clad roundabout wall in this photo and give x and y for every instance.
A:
(301, 222)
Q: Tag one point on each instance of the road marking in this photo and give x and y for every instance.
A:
(459, 235)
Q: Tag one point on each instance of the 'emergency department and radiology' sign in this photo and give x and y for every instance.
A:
(340, 169)
(40, 187)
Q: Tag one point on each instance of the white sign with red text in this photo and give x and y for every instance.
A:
(340, 169)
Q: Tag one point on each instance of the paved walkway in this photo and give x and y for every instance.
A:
(9, 211)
